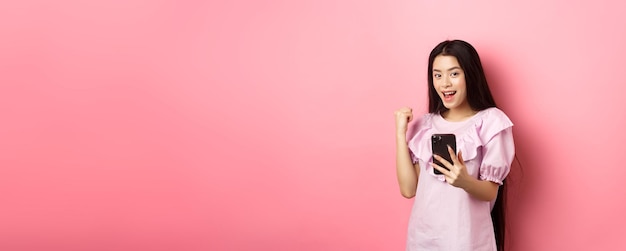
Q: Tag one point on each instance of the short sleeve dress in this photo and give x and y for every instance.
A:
(445, 217)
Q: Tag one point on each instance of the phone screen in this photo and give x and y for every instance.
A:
(440, 143)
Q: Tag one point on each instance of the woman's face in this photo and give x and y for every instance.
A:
(449, 81)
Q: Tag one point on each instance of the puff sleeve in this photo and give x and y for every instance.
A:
(498, 154)
(419, 133)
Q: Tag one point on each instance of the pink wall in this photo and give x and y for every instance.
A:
(257, 125)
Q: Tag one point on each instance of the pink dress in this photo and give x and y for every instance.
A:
(445, 217)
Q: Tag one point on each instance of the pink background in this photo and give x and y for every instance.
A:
(268, 125)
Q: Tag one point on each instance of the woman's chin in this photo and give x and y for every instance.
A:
(448, 105)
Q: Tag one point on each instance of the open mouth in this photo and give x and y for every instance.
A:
(448, 94)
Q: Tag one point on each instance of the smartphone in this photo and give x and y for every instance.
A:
(440, 143)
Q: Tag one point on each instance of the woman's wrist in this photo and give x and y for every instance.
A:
(469, 184)
(401, 136)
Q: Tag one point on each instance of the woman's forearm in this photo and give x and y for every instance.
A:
(482, 189)
(407, 172)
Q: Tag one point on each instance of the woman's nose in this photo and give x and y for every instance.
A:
(447, 83)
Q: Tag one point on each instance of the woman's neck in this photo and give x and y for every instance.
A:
(458, 114)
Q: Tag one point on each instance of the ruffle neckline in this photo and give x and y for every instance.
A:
(468, 142)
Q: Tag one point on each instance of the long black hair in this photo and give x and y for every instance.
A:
(479, 98)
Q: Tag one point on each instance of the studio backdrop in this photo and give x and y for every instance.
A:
(268, 125)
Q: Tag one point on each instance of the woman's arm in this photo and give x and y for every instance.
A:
(482, 189)
(406, 171)
(457, 175)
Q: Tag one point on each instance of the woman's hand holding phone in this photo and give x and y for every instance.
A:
(456, 174)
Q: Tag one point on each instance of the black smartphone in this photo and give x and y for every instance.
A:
(440, 143)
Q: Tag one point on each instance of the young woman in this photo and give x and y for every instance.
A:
(460, 209)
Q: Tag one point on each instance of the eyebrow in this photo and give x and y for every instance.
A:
(453, 68)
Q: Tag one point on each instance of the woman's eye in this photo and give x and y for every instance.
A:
(437, 75)
(454, 74)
